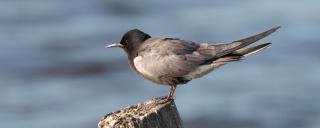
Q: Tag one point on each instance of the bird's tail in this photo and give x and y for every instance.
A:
(238, 54)
(251, 50)
(228, 48)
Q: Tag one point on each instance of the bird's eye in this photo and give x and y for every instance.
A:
(124, 42)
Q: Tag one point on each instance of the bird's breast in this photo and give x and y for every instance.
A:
(145, 68)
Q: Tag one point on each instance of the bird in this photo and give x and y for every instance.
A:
(174, 61)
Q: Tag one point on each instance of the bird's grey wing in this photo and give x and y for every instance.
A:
(219, 50)
(219, 54)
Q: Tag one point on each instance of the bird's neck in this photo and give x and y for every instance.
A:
(131, 57)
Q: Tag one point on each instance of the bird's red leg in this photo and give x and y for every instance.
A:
(171, 92)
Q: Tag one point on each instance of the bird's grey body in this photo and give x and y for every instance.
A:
(166, 60)
(172, 61)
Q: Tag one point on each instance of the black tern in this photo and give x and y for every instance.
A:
(173, 61)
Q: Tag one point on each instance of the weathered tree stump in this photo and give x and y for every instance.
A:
(155, 113)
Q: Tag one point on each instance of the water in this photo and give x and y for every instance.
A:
(56, 72)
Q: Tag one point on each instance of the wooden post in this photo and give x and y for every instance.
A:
(155, 113)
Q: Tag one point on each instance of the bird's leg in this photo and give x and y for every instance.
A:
(171, 92)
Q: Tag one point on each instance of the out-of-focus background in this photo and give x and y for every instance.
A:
(56, 73)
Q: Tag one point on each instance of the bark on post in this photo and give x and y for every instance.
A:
(155, 113)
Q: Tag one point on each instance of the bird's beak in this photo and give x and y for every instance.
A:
(114, 45)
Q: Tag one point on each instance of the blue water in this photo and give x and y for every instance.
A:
(55, 71)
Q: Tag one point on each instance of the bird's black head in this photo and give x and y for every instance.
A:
(132, 39)
(131, 42)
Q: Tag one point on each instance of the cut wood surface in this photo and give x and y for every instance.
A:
(155, 113)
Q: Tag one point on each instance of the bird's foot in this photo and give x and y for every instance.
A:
(170, 96)
(165, 99)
